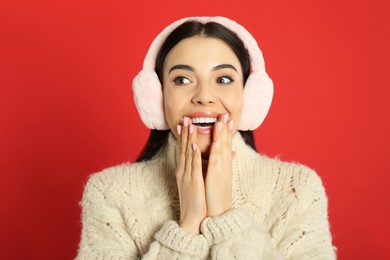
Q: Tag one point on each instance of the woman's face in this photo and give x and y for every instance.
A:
(202, 78)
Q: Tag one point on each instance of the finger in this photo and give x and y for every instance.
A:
(215, 153)
(189, 150)
(184, 136)
(180, 157)
(225, 133)
(229, 134)
(179, 129)
(183, 145)
(217, 130)
(194, 147)
(215, 148)
(197, 163)
(230, 125)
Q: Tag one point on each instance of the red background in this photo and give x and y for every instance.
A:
(66, 108)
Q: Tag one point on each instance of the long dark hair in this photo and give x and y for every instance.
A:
(158, 138)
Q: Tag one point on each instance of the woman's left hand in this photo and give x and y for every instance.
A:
(218, 181)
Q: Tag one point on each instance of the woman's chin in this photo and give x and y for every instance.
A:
(204, 147)
(203, 142)
(205, 153)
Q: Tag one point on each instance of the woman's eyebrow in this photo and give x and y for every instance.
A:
(224, 66)
(181, 67)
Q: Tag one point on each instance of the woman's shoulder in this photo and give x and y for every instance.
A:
(133, 179)
(260, 166)
(283, 175)
(285, 166)
(274, 185)
(117, 173)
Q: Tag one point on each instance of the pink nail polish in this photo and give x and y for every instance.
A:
(178, 129)
(191, 129)
(231, 124)
(225, 118)
(185, 121)
(219, 126)
(194, 146)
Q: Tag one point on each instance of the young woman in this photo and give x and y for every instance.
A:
(199, 189)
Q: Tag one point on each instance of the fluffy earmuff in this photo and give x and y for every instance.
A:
(258, 89)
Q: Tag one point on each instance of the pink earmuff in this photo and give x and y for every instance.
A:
(258, 89)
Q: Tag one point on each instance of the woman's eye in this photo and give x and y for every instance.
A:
(224, 80)
(181, 81)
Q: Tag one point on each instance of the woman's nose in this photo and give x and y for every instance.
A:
(203, 96)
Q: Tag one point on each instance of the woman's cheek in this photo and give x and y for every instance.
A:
(233, 101)
(173, 107)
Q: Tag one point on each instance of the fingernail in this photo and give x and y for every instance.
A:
(194, 146)
(216, 144)
(191, 129)
(231, 124)
(225, 118)
(185, 121)
(219, 126)
(178, 129)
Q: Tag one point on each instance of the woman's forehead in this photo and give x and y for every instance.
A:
(201, 51)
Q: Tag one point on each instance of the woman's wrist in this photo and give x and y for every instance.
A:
(190, 227)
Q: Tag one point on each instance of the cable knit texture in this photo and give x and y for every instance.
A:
(279, 211)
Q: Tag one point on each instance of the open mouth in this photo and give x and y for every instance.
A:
(204, 122)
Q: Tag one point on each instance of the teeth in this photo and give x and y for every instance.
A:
(200, 120)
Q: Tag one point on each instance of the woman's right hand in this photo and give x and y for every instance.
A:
(189, 179)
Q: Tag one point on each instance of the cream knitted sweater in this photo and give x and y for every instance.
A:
(279, 212)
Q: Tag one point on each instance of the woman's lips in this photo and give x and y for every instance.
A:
(208, 118)
(204, 130)
(204, 114)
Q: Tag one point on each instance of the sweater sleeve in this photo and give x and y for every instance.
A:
(107, 235)
(234, 235)
(305, 235)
